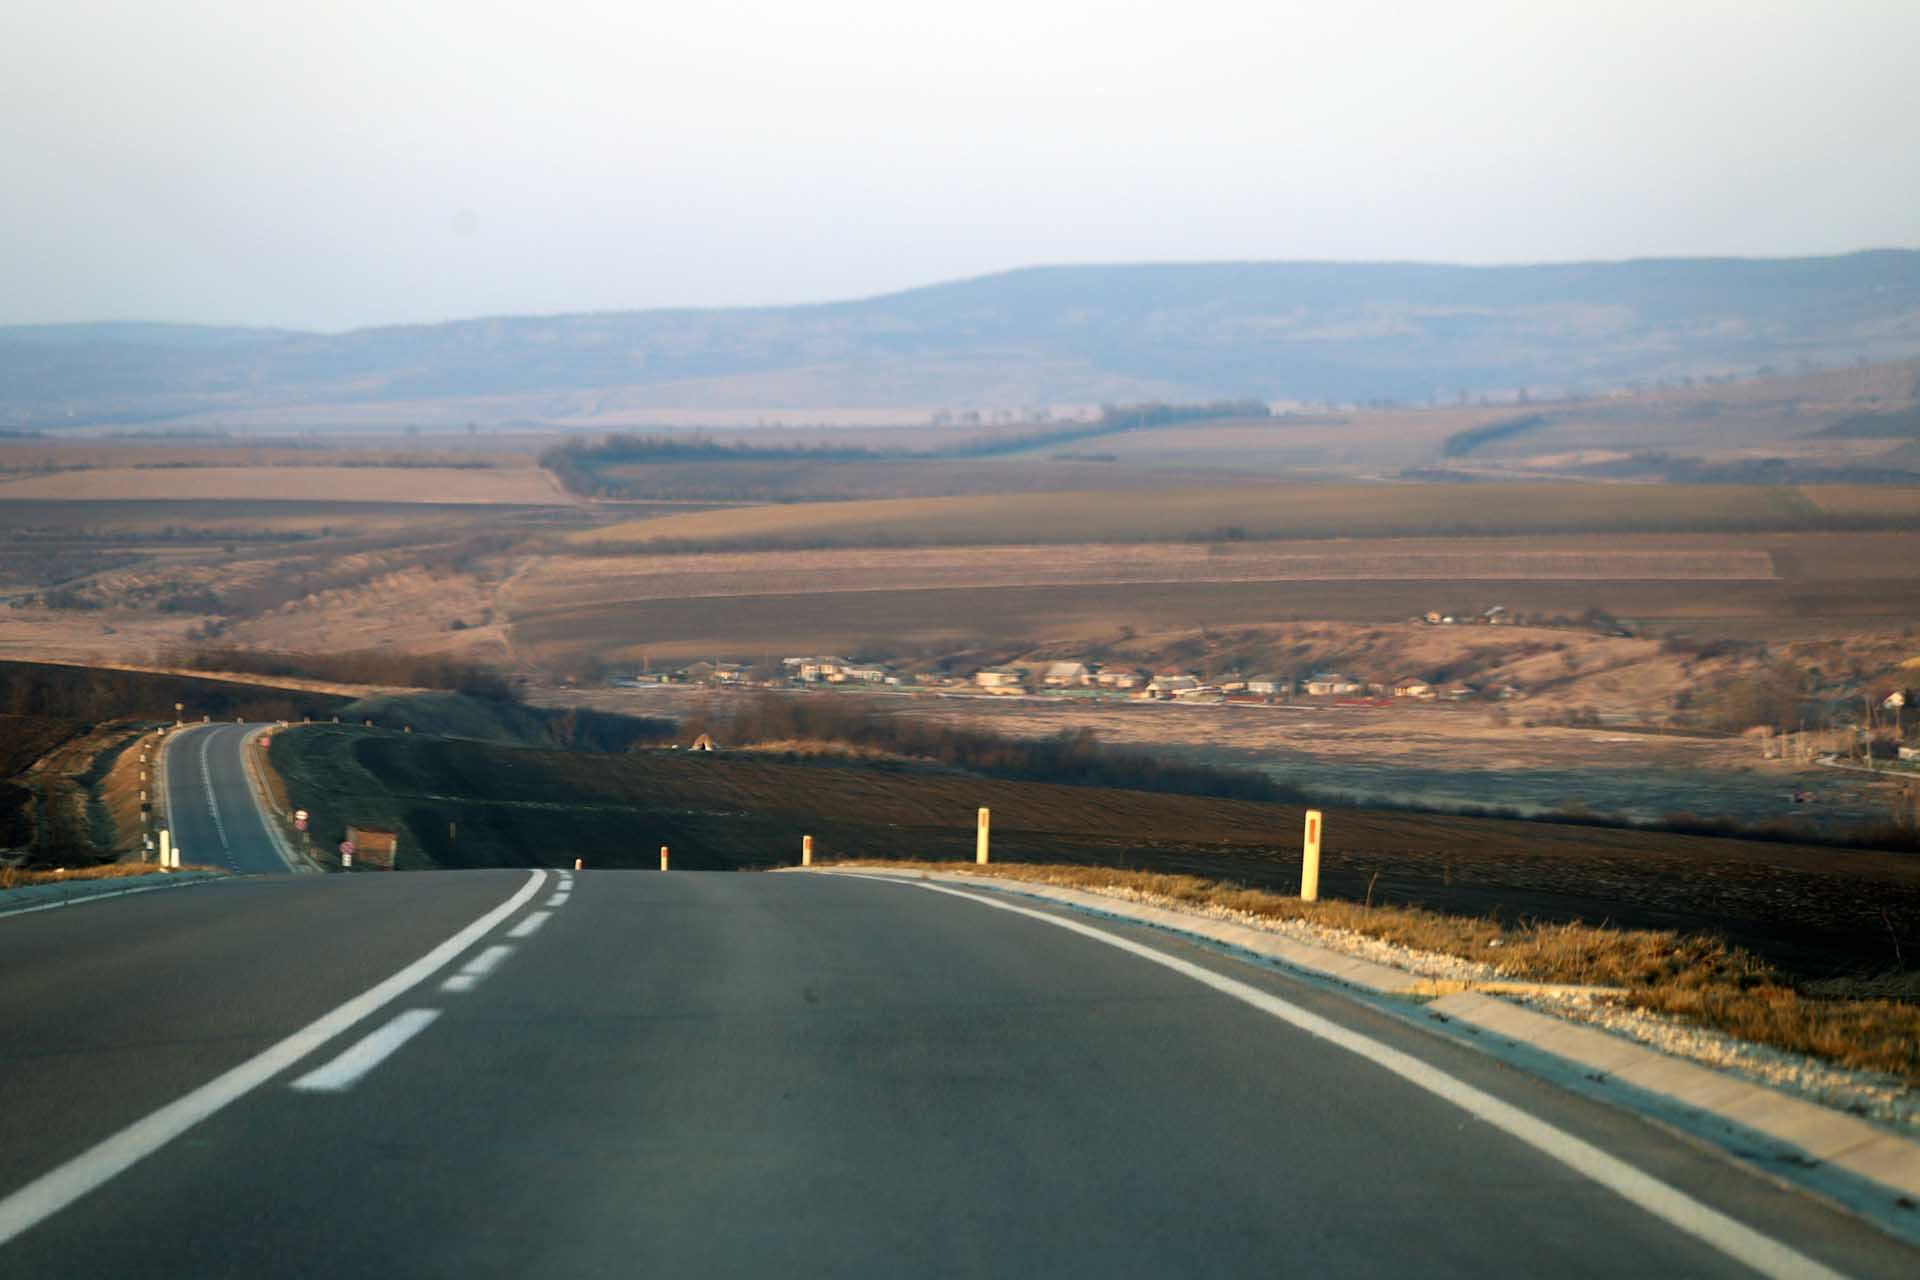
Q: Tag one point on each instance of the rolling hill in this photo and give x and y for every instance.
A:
(1037, 336)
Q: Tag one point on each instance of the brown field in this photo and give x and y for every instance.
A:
(1269, 512)
(522, 485)
(1815, 910)
(746, 604)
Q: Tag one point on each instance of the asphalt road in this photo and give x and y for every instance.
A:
(210, 808)
(632, 1073)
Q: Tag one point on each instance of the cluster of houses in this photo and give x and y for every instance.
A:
(1074, 677)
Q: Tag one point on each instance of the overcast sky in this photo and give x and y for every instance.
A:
(336, 163)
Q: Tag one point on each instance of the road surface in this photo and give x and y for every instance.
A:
(636, 1073)
(213, 817)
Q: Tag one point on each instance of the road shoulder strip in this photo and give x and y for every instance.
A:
(1761, 1124)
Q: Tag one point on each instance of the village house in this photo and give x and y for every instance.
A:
(1061, 675)
(1119, 678)
(1324, 684)
(1170, 685)
(1410, 688)
(729, 673)
(1268, 686)
(822, 669)
(1000, 680)
(861, 675)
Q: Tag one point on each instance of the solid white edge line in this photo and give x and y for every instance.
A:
(530, 925)
(1674, 1207)
(60, 1187)
(367, 1053)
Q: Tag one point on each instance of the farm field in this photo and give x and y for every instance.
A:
(1816, 911)
(1259, 513)
(904, 600)
(308, 483)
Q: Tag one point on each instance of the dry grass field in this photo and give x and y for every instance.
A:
(904, 600)
(518, 486)
(1259, 513)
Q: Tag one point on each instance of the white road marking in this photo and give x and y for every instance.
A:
(60, 1187)
(1674, 1207)
(213, 805)
(559, 899)
(374, 1048)
(477, 968)
(531, 925)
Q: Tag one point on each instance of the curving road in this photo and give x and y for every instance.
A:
(212, 814)
(634, 1073)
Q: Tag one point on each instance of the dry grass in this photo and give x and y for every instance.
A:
(1696, 978)
(20, 877)
(1272, 511)
(296, 484)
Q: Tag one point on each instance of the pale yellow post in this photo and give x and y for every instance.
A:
(166, 848)
(663, 857)
(806, 851)
(579, 863)
(1310, 860)
(980, 841)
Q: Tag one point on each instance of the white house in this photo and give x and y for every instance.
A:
(1062, 674)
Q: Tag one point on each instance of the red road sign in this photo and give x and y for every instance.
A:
(346, 848)
(299, 824)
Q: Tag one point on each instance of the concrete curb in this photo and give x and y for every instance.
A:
(1795, 1128)
(46, 897)
(1792, 1131)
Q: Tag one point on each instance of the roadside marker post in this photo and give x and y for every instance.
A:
(166, 847)
(1310, 860)
(579, 864)
(663, 857)
(980, 840)
(806, 851)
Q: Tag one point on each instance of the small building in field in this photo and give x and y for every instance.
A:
(373, 847)
(1000, 680)
(1119, 678)
(864, 674)
(1411, 688)
(1268, 686)
(1172, 685)
(1061, 675)
(1324, 684)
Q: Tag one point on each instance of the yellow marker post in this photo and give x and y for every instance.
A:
(980, 841)
(806, 851)
(1310, 860)
(663, 857)
(579, 863)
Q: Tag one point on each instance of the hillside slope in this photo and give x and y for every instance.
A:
(1307, 331)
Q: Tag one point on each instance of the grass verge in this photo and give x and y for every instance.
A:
(1694, 977)
(21, 877)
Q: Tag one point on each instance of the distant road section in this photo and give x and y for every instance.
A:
(210, 808)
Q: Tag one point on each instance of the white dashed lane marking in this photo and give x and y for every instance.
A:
(345, 1071)
(476, 969)
(531, 925)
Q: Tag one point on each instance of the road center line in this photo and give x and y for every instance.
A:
(213, 805)
(60, 1187)
(477, 968)
(1674, 1207)
(531, 925)
(374, 1048)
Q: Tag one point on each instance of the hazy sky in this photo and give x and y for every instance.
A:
(336, 163)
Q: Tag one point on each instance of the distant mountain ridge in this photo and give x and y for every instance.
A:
(1041, 335)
